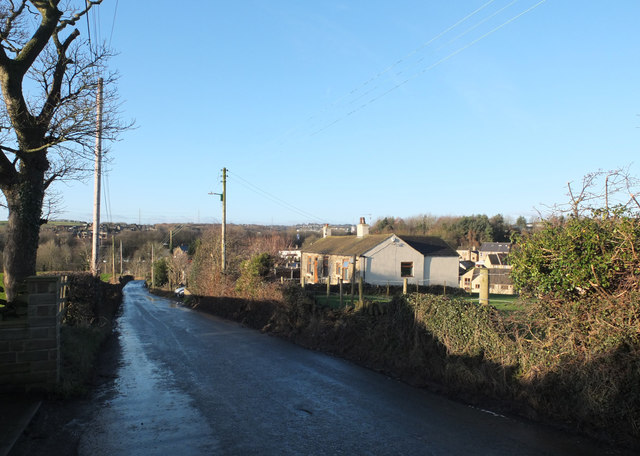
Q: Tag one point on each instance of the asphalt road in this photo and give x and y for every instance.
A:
(190, 384)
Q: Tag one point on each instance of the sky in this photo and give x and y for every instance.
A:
(325, 112)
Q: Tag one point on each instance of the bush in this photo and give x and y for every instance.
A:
(160, 272)
(579, 256)
(253, 272)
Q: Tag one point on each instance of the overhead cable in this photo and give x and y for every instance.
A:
(254, 188)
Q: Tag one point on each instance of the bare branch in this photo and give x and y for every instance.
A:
(605, 193)
(50, 15)
(77, 16)
(10, 17)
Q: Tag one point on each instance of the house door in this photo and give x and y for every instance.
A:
(315, 270)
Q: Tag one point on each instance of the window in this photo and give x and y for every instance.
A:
(406, 269)
(325, 266)
(347, 268)
(467, 280)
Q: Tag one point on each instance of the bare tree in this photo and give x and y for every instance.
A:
(47, 121)
(178, 264)
(604, 193)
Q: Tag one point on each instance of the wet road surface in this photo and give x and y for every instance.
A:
(191, 384)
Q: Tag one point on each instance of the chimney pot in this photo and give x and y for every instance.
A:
(326, 231)
(362, 228)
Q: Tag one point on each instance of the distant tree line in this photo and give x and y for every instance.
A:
(462, 231)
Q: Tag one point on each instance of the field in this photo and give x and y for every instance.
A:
(505, 303)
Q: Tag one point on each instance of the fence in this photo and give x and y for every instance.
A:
(63, 295)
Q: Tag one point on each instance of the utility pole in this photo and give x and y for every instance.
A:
(96, 186)
(113, 258)
(224, 220)
(223, 199)
(120, 256)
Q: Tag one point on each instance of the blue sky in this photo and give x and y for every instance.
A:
(328, 111)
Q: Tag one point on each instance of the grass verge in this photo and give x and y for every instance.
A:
(80, 347)
(88, 323)
(504, 303)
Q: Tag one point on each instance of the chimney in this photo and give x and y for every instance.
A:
(362, 228)
(326, 231)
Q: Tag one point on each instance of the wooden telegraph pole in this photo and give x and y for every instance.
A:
(223, 199)
(113, 259)
(96, 188)
(224, 220)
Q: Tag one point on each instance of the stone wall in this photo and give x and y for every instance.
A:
(30, 346)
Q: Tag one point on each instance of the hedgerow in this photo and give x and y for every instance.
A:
(579, 256)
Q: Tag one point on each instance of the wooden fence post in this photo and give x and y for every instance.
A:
(353, 279)
(328, 289)
(484, 287)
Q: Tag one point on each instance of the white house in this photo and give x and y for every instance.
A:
(381, 259)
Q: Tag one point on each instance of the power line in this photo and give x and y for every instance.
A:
(96, 25)
(392, 66)
(254, 188)
(107, 196)
(470, 29)
(172, 232)
(113, 22)
(372, 87)
(88, 31)
(428, 68)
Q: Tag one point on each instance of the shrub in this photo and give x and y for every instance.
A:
(582, 255)
(253, 273)
(160, 272)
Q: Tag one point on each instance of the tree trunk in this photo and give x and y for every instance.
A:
(24, 200)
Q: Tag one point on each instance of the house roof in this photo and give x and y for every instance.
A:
(495, 247)
(499, 277)
(496, 276)
(353, 245)
(497, 259)
(429, 245)
(346, 245)
(466, 265)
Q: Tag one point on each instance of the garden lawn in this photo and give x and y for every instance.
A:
(504, 303)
